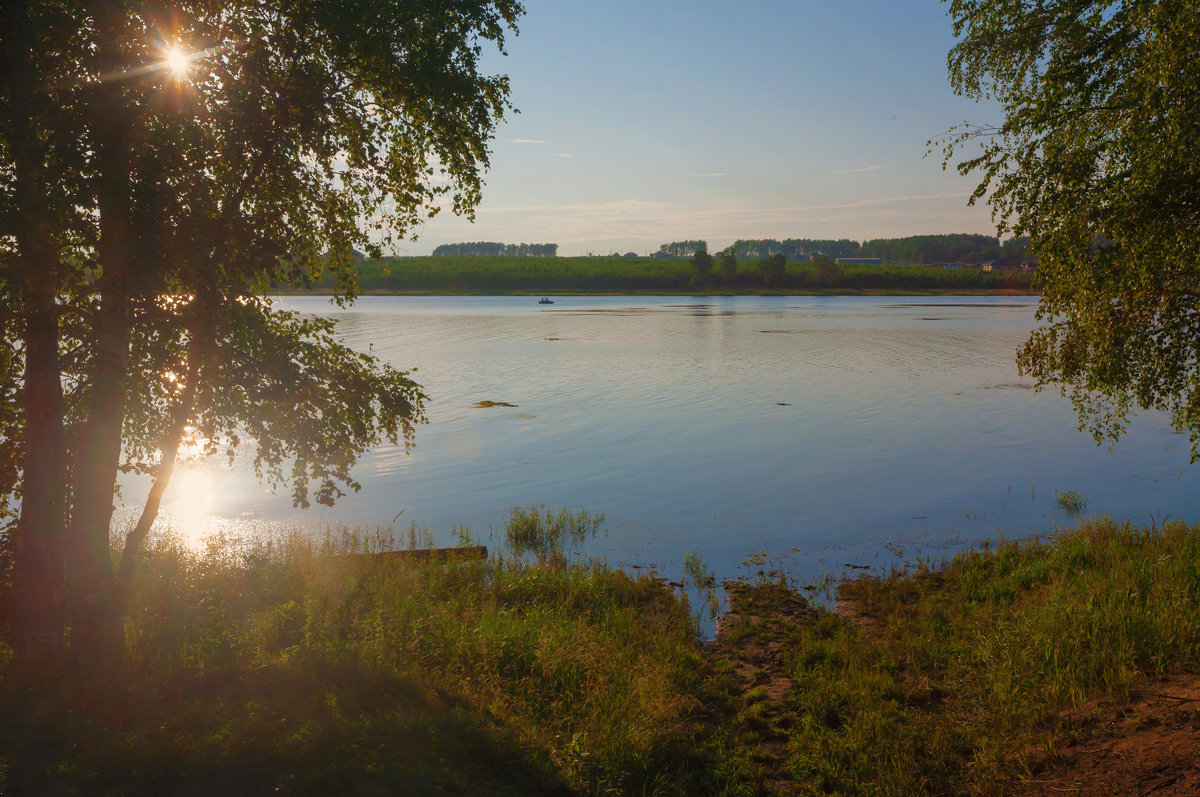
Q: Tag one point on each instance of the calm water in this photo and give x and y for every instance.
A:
(803, 432)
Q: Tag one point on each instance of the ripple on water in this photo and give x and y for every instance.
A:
(663, 414)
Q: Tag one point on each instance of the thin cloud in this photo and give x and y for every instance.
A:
(635, 207)
(714, 174)
(632, 206)
(645, 221)
(563, 155)
(529, 141)
(858, 171)
(910, 198)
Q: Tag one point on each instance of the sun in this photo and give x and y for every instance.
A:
(177, 61)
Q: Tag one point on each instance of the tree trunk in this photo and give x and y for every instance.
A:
(97, 641)
(38, 587)
(162, 476)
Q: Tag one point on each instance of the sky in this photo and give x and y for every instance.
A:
(647, 121)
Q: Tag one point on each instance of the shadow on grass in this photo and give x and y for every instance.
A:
(285, 729)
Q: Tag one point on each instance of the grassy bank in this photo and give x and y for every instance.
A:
(314, 667)
(293, 667)
(525, 275)
(979, 675)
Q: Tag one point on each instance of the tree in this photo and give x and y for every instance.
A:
(729, 267)
(795, 248)
(684, 248)
(1096, 162)
(493, 249)
(773, 269)
(827, 271)
(702, 266)
(160, 172)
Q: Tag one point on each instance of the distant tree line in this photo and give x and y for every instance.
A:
(794, 248)
(959, 248)
(684, 248)
(700, 272)
(914, 249)
(493, 249)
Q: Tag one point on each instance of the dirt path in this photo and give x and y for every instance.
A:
(748, 638)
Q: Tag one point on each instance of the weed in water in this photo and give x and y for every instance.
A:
(1071, 501)
(545, 533)
(702, 579)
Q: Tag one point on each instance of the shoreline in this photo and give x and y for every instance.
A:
(1066, 663)
(1020, 669)
(830, 292)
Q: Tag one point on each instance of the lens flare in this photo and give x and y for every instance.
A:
(177, 61)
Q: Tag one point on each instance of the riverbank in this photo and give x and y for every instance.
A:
(683, 292)
(301, 667)
(287, 666)
(617, 275)
(1069, 665)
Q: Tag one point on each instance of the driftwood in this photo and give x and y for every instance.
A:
(469, 553)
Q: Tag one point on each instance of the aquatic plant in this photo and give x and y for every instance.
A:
(1071, 501)
(543, 531)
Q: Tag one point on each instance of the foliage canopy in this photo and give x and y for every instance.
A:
(163, 169)
(1096, 161)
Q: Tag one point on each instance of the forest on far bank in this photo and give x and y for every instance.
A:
(924, 250)
(449, 274)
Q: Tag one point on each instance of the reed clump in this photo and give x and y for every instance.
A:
(545, 532)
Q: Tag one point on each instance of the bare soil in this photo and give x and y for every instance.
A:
(748, 639)
(1146, 744)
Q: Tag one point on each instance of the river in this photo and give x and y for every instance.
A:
(802, 433)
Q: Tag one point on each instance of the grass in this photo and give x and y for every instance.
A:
(970, 680)
(285, 666)
(541, 275)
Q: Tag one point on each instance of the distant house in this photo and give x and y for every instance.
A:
(997, 264)
(860, 261)
(630, 254)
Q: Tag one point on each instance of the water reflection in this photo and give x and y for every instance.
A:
(189, 503)
(813, 431)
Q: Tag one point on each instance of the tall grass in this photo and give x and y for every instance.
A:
(311, 667)
(288, 665)
(980, 660)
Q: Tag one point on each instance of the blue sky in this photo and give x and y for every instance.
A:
(646, 122)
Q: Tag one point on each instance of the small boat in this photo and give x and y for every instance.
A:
(545, 300)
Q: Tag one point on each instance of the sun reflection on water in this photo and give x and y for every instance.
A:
(188, 504)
